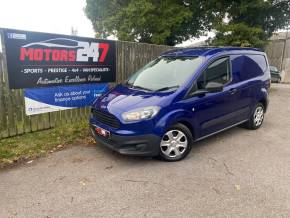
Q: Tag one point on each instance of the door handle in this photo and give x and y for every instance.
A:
(233, 91)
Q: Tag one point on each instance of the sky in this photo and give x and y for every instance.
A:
(51, 16)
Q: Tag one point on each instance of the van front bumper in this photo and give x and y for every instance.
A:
(141, 145)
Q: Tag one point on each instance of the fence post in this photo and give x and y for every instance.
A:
(7, 107)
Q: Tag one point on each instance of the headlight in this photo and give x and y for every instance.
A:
(140, 113)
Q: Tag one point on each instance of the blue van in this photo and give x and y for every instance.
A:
(181, 97)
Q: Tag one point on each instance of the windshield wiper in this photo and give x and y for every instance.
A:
(137, 87)
(140, 87)
(166, 88)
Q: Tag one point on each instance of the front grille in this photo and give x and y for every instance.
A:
(105, 118)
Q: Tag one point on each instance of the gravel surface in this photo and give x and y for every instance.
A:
(238, 173)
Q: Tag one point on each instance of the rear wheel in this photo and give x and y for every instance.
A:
(257, 117)
(176, 143)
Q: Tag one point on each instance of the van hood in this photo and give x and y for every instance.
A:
(122, 98)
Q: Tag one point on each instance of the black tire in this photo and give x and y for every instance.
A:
(252, 124)
(279, 80)
(179, 129)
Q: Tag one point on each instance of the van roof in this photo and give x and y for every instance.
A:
(205, 51)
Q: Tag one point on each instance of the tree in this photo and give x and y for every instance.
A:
(251, 22)
(236, 22)
(240, 35)
(151, 21)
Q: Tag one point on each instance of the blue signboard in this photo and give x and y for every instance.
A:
(44, 100)
(37, 60)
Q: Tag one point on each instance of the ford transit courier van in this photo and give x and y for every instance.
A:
(183, 96)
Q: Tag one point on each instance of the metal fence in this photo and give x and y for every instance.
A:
(13, 121)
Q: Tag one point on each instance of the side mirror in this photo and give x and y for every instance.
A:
(214, 87)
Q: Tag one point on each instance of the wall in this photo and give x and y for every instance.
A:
(278, 52)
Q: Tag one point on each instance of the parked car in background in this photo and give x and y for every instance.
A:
(181, 97)
(275, 74)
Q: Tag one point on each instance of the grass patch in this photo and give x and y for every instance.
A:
(32, 145)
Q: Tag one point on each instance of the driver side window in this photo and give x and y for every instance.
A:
(218, 72)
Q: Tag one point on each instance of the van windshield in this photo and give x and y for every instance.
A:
(165, 73)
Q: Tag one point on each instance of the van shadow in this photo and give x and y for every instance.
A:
(209, 141)
(198, 146)
(203, 146)
(116, 157)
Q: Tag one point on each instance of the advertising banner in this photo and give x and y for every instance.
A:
(50, 99)
(43, 59)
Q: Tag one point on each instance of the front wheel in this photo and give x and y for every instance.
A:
(176, 143)
(257, 117)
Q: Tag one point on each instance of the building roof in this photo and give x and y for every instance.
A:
(204, 51)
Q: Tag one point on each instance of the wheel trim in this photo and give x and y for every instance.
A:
(258, 116)
(173, 144)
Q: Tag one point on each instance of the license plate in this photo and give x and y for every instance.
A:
(102, 132)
